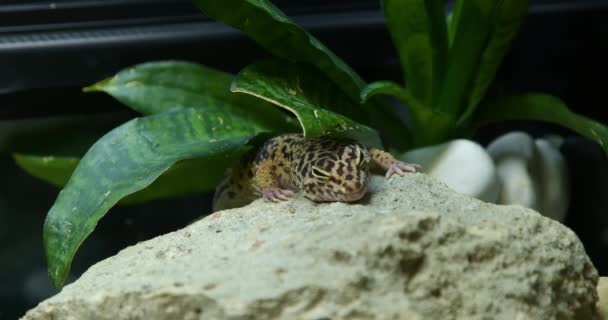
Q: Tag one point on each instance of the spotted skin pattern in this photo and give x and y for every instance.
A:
(322, 169)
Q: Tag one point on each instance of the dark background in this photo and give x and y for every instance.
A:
(49, 51)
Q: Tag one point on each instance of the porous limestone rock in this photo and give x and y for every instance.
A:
(411, 249)
(602, 303)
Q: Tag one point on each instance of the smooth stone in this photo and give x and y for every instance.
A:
(462, 165)
(511, 154)
(532, 173)
(517, 186)
(551, 172)
(513, 144)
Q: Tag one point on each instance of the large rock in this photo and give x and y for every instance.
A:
(602, 303)
(412, 249)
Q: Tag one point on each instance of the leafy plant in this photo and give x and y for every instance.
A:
(197, 120)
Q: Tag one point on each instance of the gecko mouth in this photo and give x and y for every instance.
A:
(354, 196)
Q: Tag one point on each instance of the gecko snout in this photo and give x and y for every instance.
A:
(355, 195)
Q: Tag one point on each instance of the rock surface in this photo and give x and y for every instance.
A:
(602, 303)
(412, 249)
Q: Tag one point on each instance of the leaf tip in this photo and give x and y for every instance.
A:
(57, 268)
(56, 280)
(57, 271)
(99, 86)
(89, 88)
(92, 88)
(234, 87)
(364, 95)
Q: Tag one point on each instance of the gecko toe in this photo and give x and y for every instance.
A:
(408, 167)
(401, 168)
(277, 195)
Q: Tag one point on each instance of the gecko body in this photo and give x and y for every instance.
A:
(322, 169)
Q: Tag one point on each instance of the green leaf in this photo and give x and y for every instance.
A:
(186, 177)
(430, 127)
(505, 26)
(183, 178)
(275, 32)
(383, 88)
(453, 20)
(314, 99)
(389, 88)
(157, 87)
(126, 160)
(53, 169)
(67, 135)
(471, 35)
(541, 107)
(418, 30)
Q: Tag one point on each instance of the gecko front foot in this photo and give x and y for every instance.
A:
(277, 194)
(401, 168)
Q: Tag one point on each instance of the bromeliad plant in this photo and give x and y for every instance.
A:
(196, 120)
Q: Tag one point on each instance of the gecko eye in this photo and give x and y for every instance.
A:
(361, 157)
(321, 174)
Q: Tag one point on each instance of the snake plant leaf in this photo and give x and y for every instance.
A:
(470, 37)
(315, 100)
(126, 160)
(161, 86)
(507, 20)
(541, 107)
(419, 32)
(183, 178)
(452, 21)
(429, 127)
(392, 89)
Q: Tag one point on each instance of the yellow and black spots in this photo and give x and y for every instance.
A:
(236, 189)
(329, 169)
(322, 169)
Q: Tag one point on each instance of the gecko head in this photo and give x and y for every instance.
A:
(337, 171)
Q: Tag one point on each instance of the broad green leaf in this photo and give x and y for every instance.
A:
(156, 87)
(126, 160)
(471, 35)
(183, 178)
(315, 100)
(55, 170)
(186, 177)
(58, 136)
(274, 31)
(51, 152)
(418, 30)
(541, 107)
(505, 25)
(278, 34)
